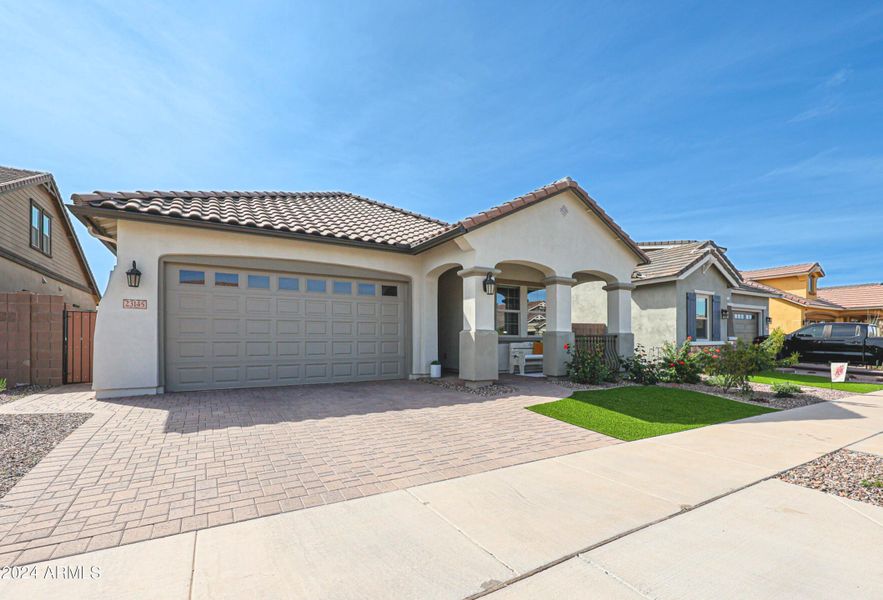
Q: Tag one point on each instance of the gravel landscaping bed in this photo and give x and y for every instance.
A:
(762, 395)
(848, 474)
(571, 385)
(20, 392)
(493, 389)
(26, 439)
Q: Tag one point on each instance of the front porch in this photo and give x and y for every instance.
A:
(484, 310)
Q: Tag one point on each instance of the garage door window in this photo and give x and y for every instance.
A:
(343, 287)
(290, 284)
(389, 290)
(261, 282)
(227, 279)
(316, 286)
(367, 289)
(191, 277)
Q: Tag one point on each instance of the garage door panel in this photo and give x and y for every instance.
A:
(192, 303)
(288, 306)
(285, 327)
(342, 328)
(268, 330)
(316, 307)
(225, 349)
(226, 304)
(226, 326)
(288, 349)
(315, 348)
(258, 326)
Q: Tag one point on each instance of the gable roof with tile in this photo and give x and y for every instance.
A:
(856, 296)
(674, 259)
(12, 178)
(331, 216)
(783, 271)
(808, 302)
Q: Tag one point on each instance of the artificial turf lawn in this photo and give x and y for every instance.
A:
(636, 412)
(771, 377)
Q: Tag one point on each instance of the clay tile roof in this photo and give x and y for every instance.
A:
(810, 302)
(337, 215)
(862, 295)
(784, 271)
(672, 259)
(11, 178)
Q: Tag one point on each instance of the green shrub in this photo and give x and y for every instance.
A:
(737, 362)
(587, 365)
(716, 381)
(681, 364)
(640, 367)
(785, 389)
(2, 384)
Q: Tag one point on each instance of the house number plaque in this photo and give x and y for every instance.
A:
(137, 304)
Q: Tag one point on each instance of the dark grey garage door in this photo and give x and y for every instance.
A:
(232, 328)
(745, 325)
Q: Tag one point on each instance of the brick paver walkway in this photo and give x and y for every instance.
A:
(148, 467)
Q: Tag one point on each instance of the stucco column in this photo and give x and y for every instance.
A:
(559, 329)
(619, 316)
(478, 339)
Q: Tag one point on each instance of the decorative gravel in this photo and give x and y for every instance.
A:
(492, 389)
(848, 474)
(21, 392)
(762, 395)
(572, 385)
(26, 439)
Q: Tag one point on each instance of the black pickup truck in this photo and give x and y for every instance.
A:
(856, 343)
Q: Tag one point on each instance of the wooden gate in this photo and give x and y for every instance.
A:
(79, 331)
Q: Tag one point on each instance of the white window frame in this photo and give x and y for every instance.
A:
(523, 311)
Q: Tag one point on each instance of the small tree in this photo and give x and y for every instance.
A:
(738, 362)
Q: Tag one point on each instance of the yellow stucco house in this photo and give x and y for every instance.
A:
(803, 301)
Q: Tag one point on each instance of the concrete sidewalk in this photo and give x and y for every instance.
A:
(611, 522)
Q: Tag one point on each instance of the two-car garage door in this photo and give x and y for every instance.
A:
(234, 327)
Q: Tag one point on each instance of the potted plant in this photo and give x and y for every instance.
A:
(435, 369)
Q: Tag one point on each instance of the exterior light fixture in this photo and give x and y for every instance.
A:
(133, 276)
(489, 284)
(769, 320)
(725, 313)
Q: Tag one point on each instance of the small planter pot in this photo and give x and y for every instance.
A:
(435, 371)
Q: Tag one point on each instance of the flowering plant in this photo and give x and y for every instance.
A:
(682, 364)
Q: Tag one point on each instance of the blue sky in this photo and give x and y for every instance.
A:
(756, 124)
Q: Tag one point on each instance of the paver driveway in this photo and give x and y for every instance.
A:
(148, 467)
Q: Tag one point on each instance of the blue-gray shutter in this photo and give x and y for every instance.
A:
(716, 318)
(691, 315)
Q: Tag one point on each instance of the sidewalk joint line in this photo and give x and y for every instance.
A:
(460, 531)
(596, 545)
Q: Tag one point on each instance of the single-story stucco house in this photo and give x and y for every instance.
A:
(688, 289)
(241, 289)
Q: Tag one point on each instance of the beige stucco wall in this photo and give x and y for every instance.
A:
(589, 303)
(128, 343)
(654, 314)
(17, 278)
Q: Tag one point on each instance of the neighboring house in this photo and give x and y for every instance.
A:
(39, 251)
(799, 301)
(803, 301)
(270, 288)
(689, 289)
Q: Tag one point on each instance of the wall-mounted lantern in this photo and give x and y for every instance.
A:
(769, 320)
(489, 284)
(725, 313)
(133, 276)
